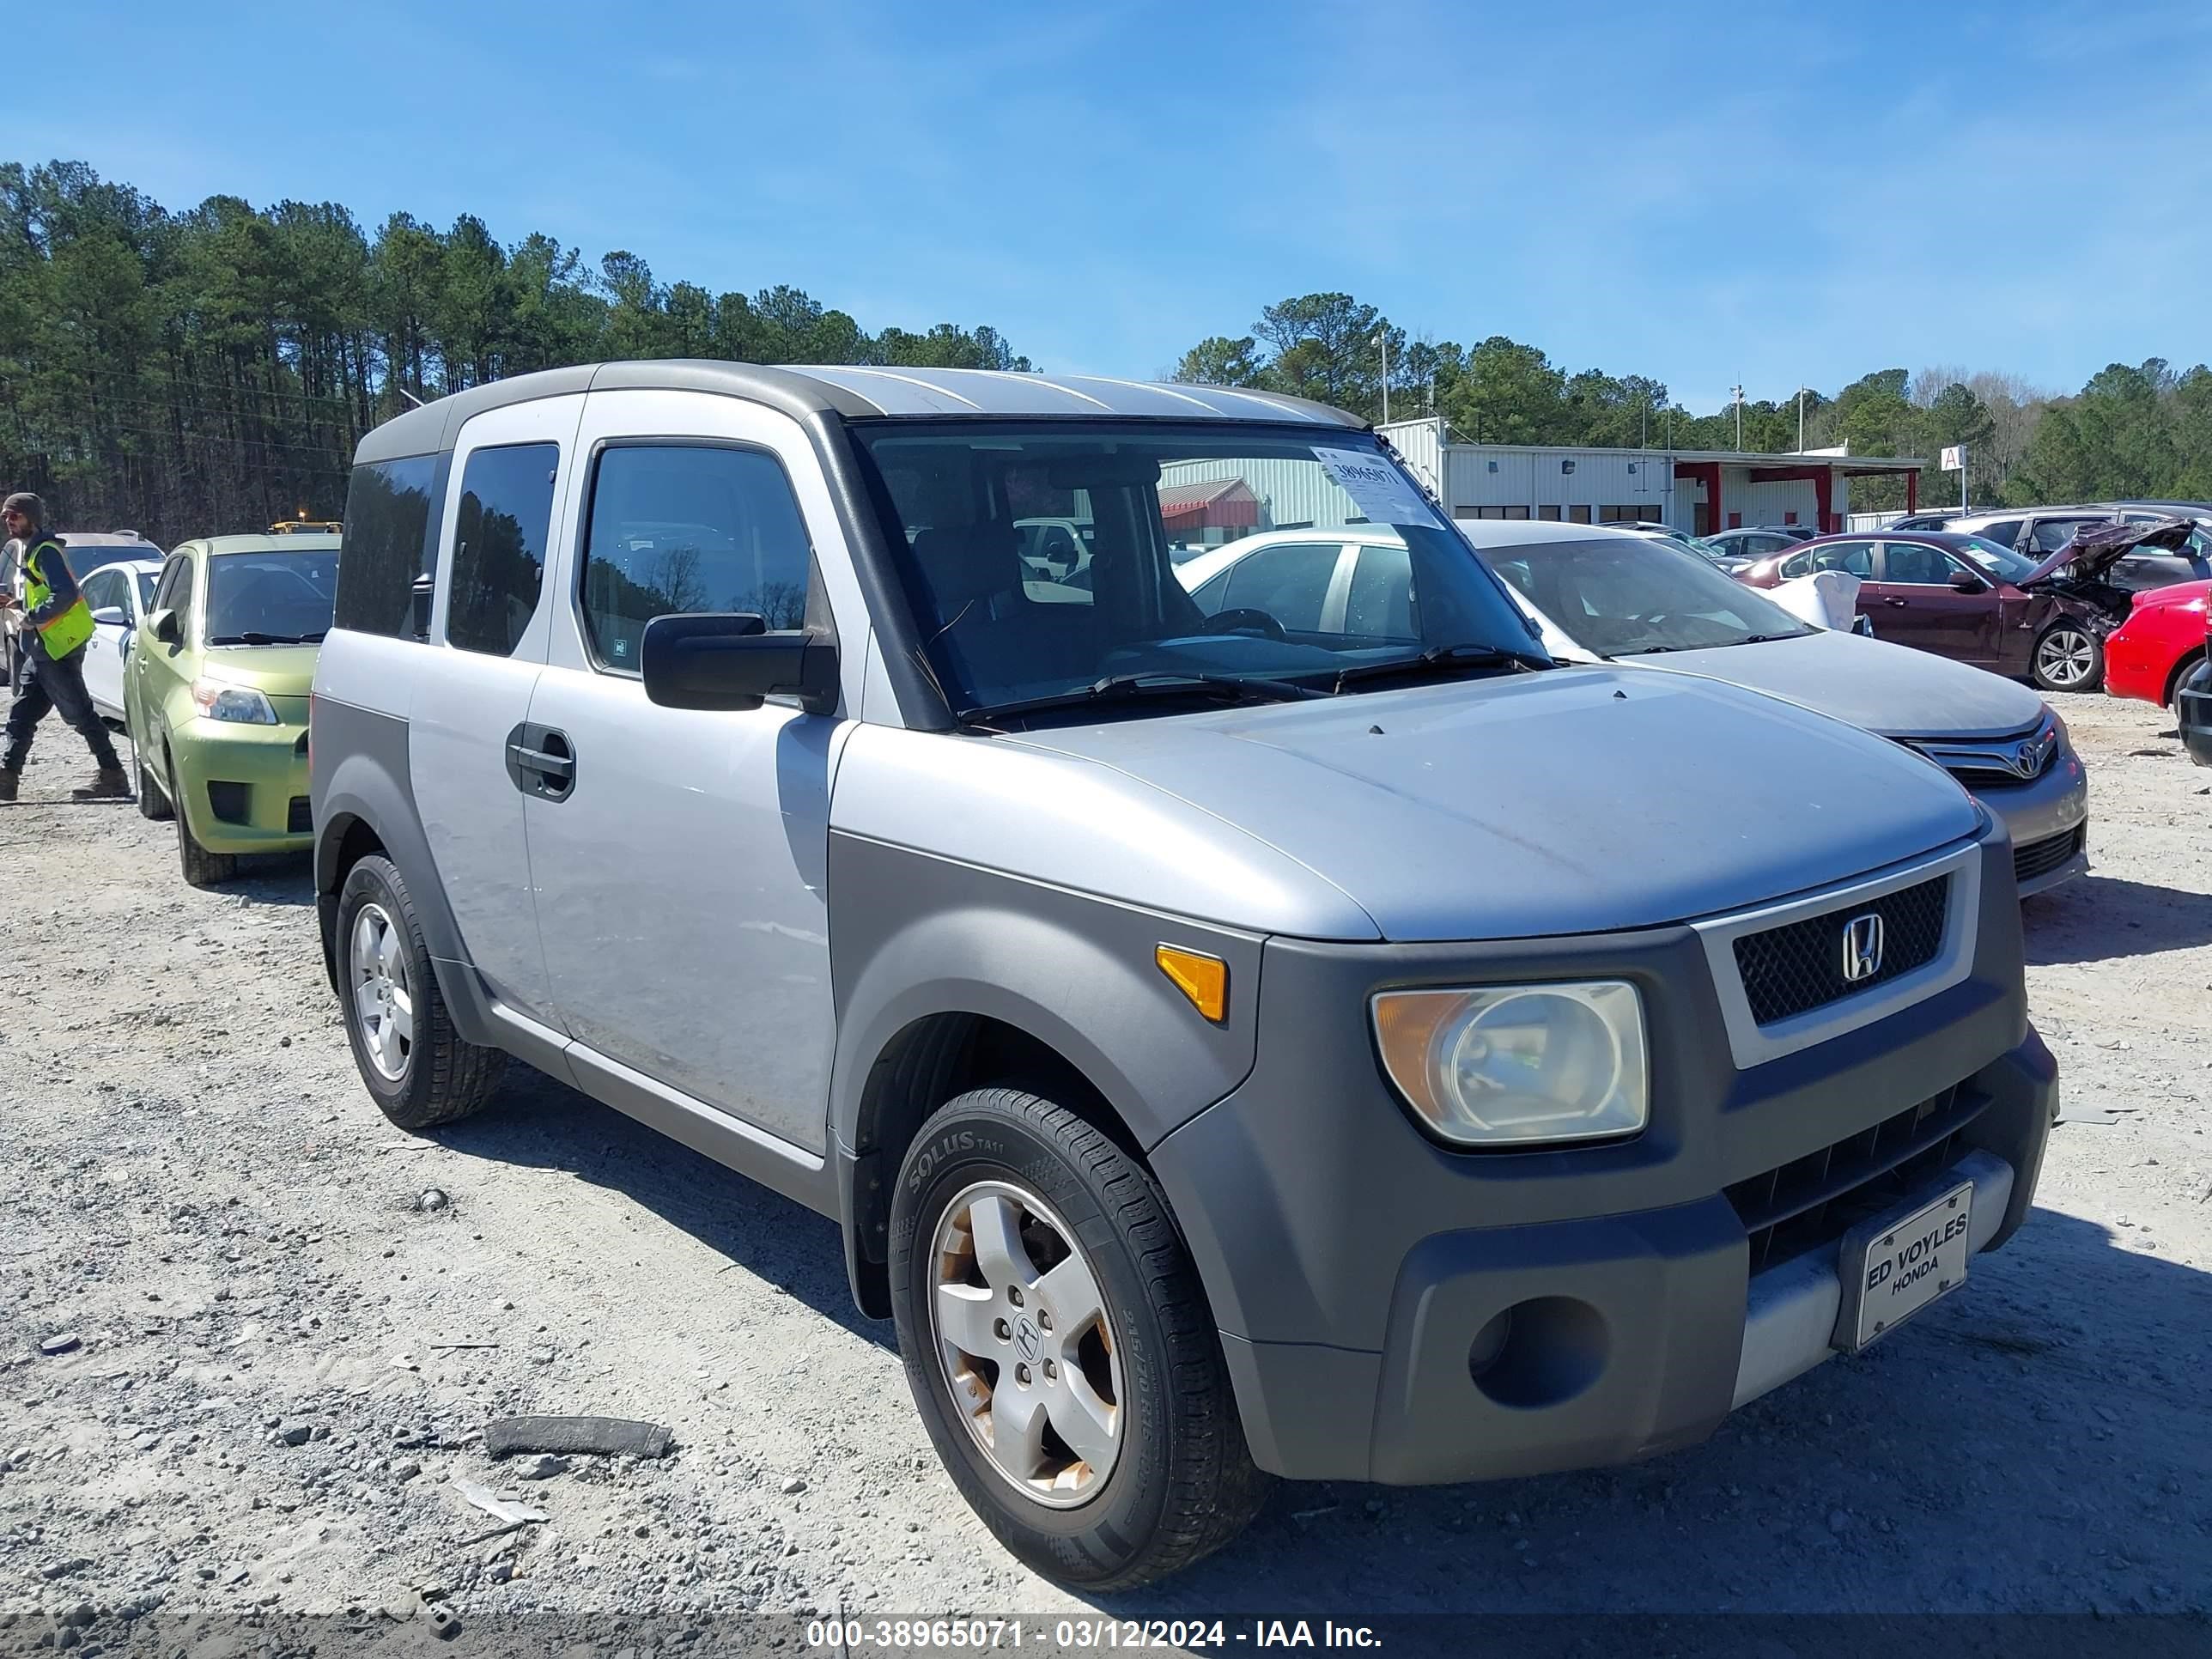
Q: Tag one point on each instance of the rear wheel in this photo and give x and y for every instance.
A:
(2068, 658)
(202, 868)
(421, 1071)
(1057, 1342)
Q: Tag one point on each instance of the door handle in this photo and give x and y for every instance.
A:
(541, 762)
(546, 765)
(1899, 603)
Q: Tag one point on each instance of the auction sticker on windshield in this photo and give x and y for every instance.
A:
(1381, 492)
(1896, 1265)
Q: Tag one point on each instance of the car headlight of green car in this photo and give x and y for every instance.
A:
(238, 703)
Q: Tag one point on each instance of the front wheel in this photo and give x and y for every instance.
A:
(2068, 658)
(1057, 1342)
(201, 867)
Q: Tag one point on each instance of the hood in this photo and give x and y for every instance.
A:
(1887, 688)
(1581, 800)
(2097, 548)
(275, 671)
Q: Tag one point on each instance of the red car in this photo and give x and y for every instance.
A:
(1973, 600)
(2155, 650)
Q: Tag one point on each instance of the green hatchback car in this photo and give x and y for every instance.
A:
(215, 695)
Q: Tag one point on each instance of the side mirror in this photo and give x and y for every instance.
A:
(167, 626)
(111, 615)
(418, 605)
(1966, 582)
(729, 660)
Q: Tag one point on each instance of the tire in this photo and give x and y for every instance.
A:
(2068, 657)
(153, 799)
(2190, 668)
(421, 1071)
(202, 868)
(1178, 1480)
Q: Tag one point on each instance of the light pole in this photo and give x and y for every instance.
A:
(1382, 339)
(1739, 419)
(1801, 420)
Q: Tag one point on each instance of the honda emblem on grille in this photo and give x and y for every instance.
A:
(1863, 947)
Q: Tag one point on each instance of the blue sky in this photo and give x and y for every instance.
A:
(1704, 193)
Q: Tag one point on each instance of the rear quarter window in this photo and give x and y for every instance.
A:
(390, 539)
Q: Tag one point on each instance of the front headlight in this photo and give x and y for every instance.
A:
(242, 703)
(1516, 1065)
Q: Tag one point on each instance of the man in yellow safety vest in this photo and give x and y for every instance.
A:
(57, 628)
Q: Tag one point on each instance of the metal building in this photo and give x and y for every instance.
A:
(1698, 491)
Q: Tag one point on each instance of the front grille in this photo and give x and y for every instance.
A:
(1796, 967)
(1981, 779)
(2040, 858)
(1815, 1199)
(300, 820)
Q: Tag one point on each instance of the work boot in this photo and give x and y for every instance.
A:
(8, 783)
(107, 784)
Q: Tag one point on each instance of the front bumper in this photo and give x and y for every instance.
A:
(1357, 1271)
(243, 789)
(2048, 820)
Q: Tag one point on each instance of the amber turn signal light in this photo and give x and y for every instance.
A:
(1203, 979)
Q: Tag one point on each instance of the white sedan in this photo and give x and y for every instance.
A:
(120, 595)
(1600, 594)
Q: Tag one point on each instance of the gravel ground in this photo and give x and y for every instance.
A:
(201, 1194)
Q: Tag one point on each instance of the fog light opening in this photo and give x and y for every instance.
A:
(1489, 1345)
(1543, 1352)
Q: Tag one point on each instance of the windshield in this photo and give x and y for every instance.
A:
(269, 598)
(1994, 560)
(1620, 597)
(1047, 558)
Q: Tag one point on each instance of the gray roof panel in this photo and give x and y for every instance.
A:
(855, 393)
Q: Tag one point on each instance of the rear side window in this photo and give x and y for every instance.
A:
(676, 530)
(389, 540)
(2005, 534)
(499, 546)
(1381, 603)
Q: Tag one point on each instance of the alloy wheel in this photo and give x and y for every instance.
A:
(2066, 657)
(383, 1002)
(1025, 1344)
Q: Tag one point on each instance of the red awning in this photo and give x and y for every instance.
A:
(1222, 504)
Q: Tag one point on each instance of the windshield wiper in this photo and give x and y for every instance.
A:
(1445, 660)
(252, 638)
(1219, 687)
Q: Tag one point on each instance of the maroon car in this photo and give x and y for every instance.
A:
(1972, 600)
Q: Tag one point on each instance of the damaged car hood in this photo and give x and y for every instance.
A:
(2095, 548)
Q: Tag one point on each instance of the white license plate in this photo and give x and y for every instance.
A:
(1895, 1266)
